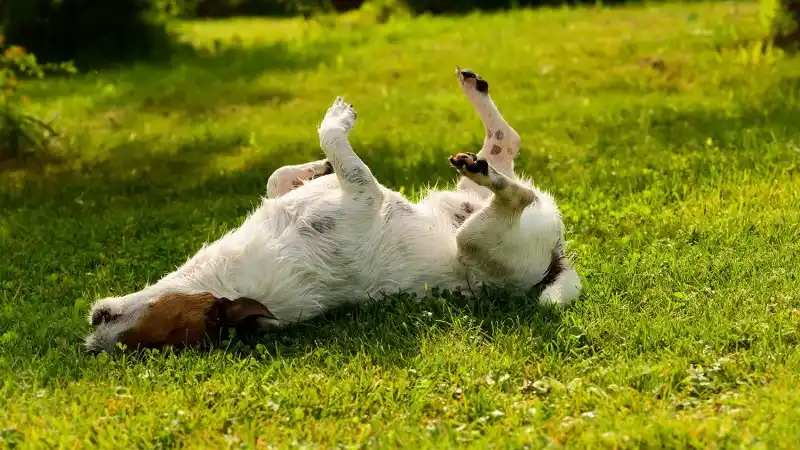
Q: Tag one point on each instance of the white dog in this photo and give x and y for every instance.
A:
(329, 233)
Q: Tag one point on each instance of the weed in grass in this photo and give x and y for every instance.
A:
(22, 134)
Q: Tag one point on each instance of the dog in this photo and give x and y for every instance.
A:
(328, 233)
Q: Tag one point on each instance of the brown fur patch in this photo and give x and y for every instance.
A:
(496, 150)
(170, 320)
(186, 319)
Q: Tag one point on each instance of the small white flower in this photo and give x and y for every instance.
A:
(568, 422)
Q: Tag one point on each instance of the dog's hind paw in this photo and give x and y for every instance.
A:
(471, 81)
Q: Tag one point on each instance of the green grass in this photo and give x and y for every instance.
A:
(672, 147)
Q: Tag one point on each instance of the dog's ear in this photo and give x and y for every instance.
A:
(246, 312)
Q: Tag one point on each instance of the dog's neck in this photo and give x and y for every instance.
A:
(222, 267)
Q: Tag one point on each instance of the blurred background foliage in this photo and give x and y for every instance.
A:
(97, 32)
(90, 34)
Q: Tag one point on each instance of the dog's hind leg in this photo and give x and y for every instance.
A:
(500, 141)
(515, 228)
(354, 176)
(288, 178)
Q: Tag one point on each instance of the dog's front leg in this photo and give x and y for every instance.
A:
(494, 238)
(509, 194)
(354, 176)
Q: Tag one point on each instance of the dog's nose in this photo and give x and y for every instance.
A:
(103, 315)
(93, 351)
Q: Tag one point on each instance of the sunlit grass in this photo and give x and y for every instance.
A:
(673, 149)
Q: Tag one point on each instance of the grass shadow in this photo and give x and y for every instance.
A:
(196, 80)
(137, 214)
(682, 150)
(390, 331)
(774, 114)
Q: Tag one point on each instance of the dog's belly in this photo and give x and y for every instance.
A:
(320, 249)
(368, 251)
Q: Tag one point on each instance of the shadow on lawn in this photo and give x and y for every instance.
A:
(134, 217)
(390, 330)
(198, 81)
(154, 173)
(773, 116)
(195, 82)
(172, 189)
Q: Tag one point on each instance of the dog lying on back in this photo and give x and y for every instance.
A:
(329, 233)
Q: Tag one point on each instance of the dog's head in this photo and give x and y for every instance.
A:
(144, 320)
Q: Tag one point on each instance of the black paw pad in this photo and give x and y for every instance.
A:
(479, 166)
(481, 85)
(470, 162)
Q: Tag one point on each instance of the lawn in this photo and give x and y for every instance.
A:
(672, 146)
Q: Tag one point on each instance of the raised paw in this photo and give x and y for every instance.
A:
(339, 115)
(470, 81)
(469, 163)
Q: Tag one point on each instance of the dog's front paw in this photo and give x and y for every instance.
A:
(471, 81)
(469, 164)
(339, 115)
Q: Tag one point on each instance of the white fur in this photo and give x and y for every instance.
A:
(316, 243)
